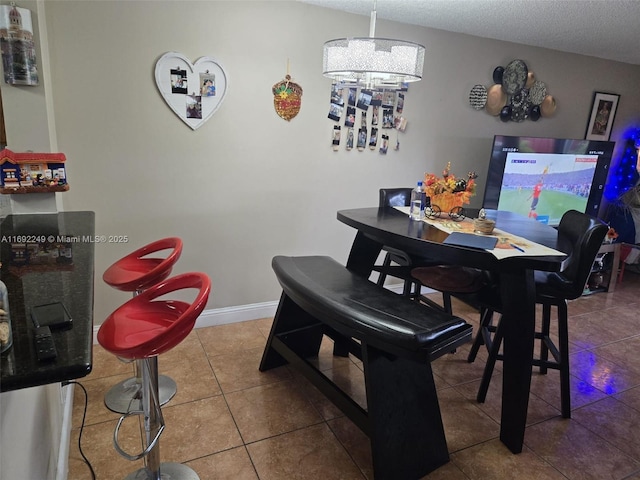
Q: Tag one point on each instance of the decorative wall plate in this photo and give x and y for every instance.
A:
(514, 77)
(537, 92)
(194, 91)
(478, 97)
(496, 99)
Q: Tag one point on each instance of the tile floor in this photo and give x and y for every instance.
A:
(230, 421)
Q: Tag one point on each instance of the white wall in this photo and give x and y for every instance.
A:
(248, 185)
(30, 437)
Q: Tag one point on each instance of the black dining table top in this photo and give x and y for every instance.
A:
(393, 227)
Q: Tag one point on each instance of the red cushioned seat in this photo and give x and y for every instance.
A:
(145, 327)
(138, 271)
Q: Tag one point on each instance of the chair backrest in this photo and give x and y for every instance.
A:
(582, 236)
(395, 197)
(140, 270)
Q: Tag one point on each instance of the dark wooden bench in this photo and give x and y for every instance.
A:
(395, 338)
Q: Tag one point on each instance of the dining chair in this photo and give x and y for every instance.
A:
(397, 263)
(418, 272)
(451, 280)
(581, 235)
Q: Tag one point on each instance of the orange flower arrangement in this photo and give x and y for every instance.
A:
(448, 191)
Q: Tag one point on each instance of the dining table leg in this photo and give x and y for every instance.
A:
(518, 321)
(363, 255)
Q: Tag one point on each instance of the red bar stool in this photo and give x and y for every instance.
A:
(135, 273)
(140, 330)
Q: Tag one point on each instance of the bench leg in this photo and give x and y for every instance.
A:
(303, 331)
(406, 431)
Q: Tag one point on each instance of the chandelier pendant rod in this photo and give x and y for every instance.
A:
(372, 23)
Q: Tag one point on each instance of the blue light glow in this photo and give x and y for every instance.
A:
(623, 174)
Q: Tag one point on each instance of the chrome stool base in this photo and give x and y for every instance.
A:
(168, 471)
(125, 396)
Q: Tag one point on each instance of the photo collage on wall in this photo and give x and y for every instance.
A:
(369, 117)
(193, 101)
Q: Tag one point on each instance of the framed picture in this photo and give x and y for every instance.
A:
(603, 113)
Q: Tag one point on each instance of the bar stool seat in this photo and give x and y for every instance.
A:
(141, 329)
(137, 271)
(134, 273)
(449, 280)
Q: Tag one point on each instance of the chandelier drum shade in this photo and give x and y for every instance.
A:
(373, 62)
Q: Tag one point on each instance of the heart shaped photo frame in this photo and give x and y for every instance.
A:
(194, 91)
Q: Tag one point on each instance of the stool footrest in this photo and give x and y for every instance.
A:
(153, 419)
(148, 448)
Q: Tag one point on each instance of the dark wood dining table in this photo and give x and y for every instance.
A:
(378, 227)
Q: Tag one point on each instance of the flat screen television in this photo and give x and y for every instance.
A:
(542, 178)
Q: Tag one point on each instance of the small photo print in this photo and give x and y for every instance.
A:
(335, 111)
(387, 118)
(374, 138)
(385, 144)
(362, 138)
(400, 104)
(194, 106)
(364, 99)
(363, 119)
(336, 94)
(352, 96)
(336, 135)
(178, 81)
(376, 98)
(375, 115)
(351, 117)
(207, 85)
(388, 98)
(350, 139)
(400, 123)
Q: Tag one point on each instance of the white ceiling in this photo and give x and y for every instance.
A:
(607, 29)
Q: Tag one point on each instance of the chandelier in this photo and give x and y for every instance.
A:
(373, 62)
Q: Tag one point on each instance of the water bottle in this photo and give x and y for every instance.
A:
(418, 199)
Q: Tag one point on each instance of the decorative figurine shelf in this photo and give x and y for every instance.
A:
(31, 172)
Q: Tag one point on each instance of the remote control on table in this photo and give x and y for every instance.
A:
(45, 347)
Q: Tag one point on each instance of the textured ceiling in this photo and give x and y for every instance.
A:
(607, 29)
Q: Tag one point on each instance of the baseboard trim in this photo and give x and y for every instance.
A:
(222, 316)
(240, 313)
